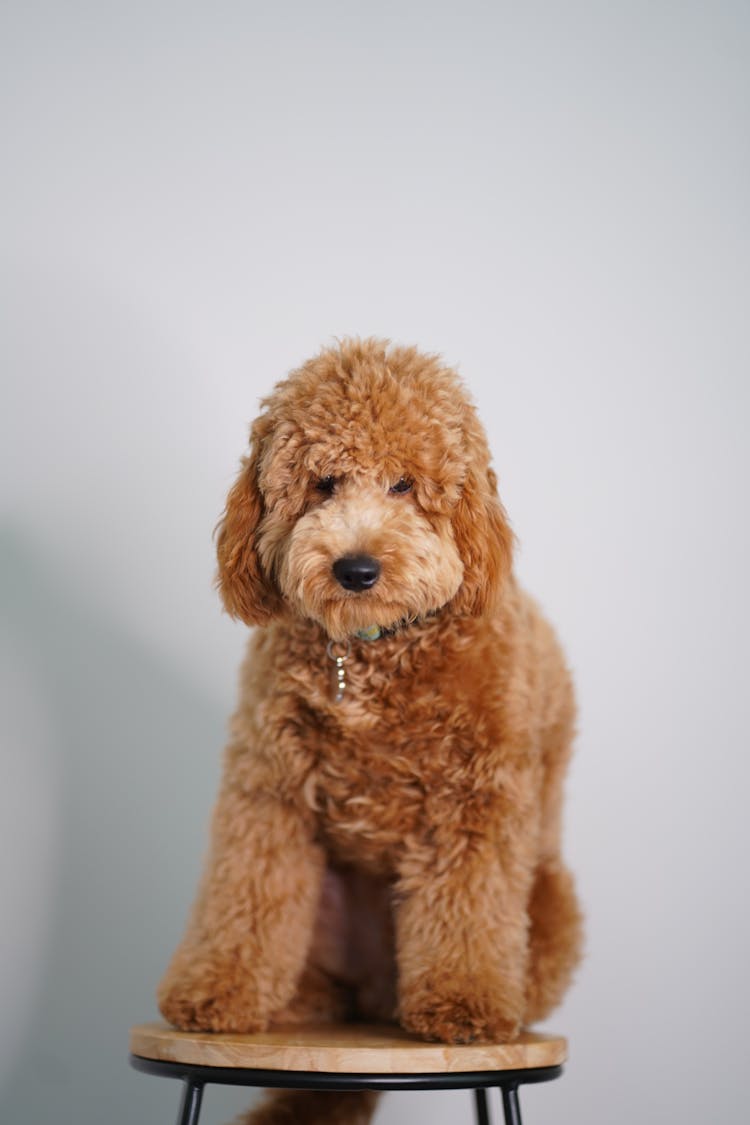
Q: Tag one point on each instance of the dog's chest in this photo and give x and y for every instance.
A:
(404, 749)
(377, 789)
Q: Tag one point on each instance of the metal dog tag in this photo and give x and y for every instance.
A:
(338, 657)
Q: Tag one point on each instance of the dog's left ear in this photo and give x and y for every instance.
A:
(246, 590)
(485, 543)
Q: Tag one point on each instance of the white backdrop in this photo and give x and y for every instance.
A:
(554, 196)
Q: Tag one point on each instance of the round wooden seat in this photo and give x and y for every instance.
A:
(350, 1048)
(346, 1056)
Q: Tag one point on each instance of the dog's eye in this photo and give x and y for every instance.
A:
(403, 484)
(326, 485)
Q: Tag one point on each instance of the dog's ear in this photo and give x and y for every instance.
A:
(485, 543)
(247, 592)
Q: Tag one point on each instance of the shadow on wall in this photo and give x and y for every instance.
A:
(106, 861)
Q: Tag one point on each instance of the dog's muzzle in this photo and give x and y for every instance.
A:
(356, 572)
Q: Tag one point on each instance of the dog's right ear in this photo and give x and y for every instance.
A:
(247, 592)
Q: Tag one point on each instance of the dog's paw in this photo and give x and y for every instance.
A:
(188, 1011)
(211, 1000)
(457, 1016)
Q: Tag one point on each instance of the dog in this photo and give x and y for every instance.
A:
(386, 842)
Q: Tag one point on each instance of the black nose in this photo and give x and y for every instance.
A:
(356, 572)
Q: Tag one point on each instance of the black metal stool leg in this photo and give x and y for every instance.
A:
(190, 1109)
(483, 1113)
(511, 1108)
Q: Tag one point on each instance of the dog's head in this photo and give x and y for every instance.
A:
(366, 499)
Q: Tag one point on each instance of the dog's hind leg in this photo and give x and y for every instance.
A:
(555, 939)
(319, 998)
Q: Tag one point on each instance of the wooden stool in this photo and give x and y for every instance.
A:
(344, 1057)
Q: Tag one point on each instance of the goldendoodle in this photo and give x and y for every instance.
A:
(386, 842)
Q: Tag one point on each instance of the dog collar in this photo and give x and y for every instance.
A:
(372, 633)
(375, 632)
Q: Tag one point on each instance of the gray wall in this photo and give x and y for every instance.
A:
(553, 196)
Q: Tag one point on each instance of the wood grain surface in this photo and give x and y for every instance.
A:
(343, 1048)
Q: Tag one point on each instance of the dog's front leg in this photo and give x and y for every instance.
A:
(252, 922)
(462, 935)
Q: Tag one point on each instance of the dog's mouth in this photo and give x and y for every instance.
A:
(363, 615)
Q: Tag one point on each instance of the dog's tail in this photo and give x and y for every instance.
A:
(307, 1107)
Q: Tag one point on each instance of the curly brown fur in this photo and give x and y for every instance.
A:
(304, 1107)
(395, 854)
